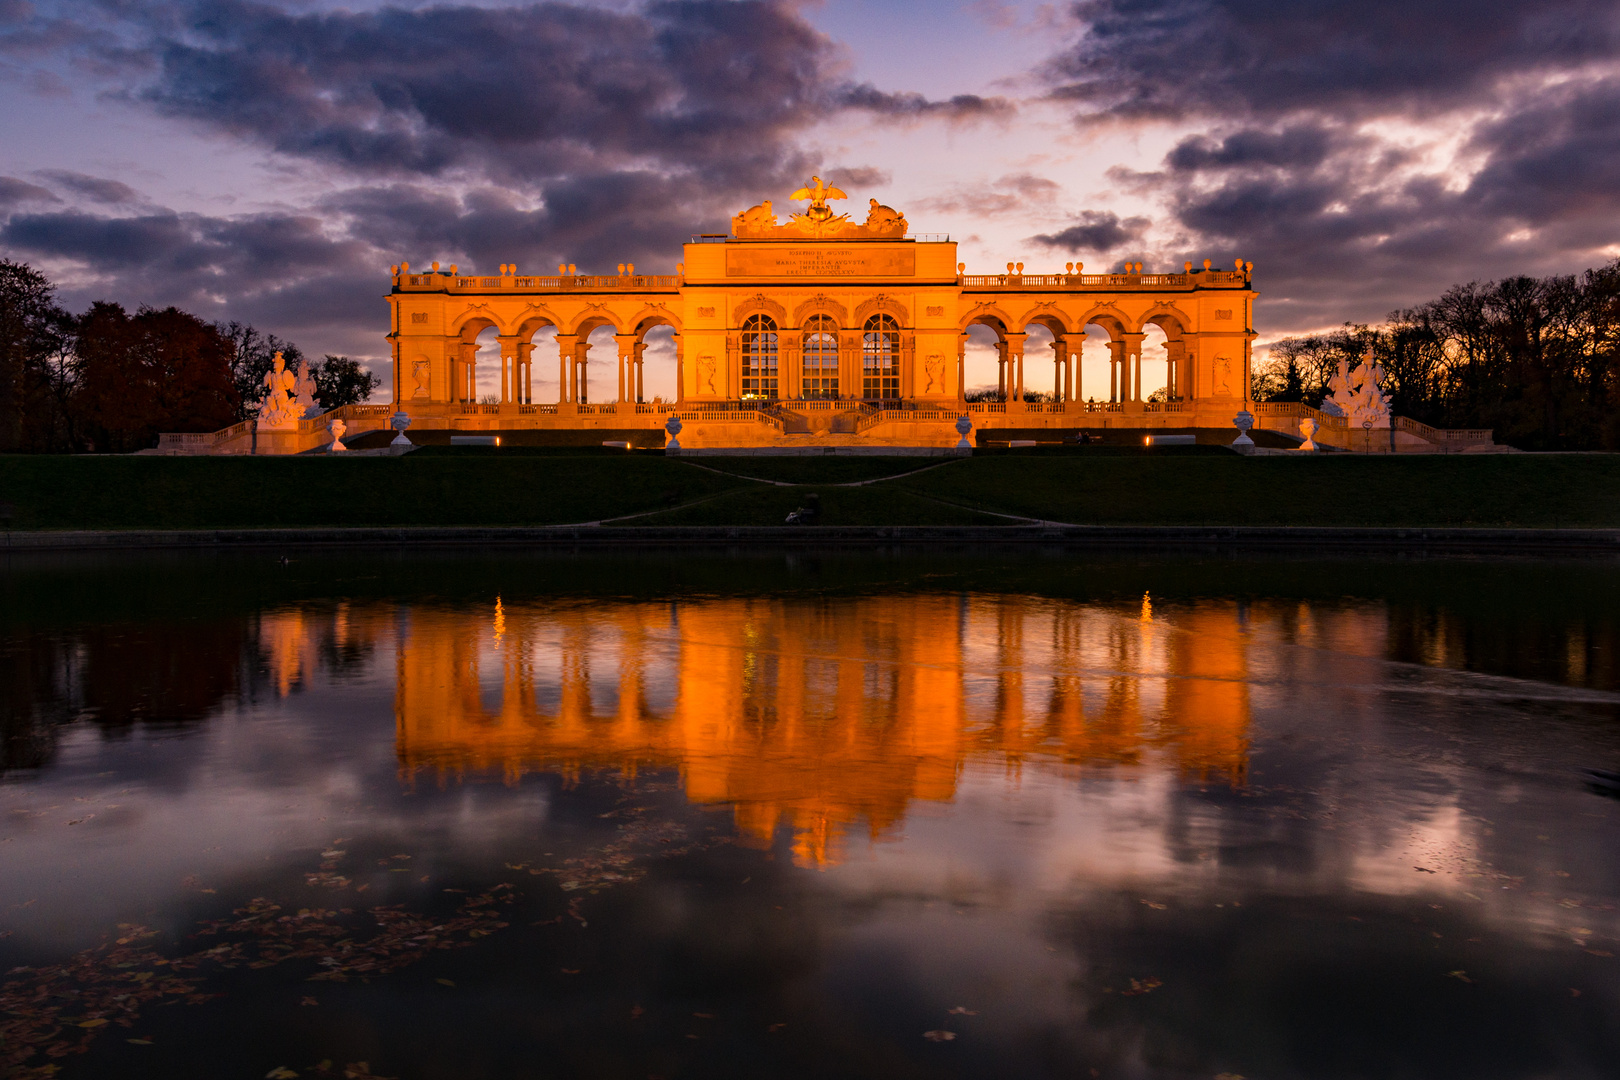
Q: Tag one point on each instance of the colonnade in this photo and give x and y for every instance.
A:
(573, 350)
(1124, 367)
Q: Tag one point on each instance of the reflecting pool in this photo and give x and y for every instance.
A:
(810, 814)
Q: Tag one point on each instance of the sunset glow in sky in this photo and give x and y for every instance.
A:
(268, 161)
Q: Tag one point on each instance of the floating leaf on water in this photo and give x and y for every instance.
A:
(776, 1027)
(960, 1010)
(1460, 976)
(939, 1036)
(309, 1001)
(93, 1023)
(444, 982)
(139, 1042)
(281, 1072)
(1154, 906)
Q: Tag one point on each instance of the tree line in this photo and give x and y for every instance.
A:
(110, 382)
(1537, 360)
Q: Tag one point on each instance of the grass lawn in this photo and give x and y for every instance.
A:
(493, 487)
(1534, 490)
(51, 492)
(876, 504)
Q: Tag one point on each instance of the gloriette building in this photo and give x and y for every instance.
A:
(819, 325)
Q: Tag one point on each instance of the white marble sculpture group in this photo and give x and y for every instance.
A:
(1358, 395)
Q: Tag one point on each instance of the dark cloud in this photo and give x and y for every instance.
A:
(1270, 58)
(95, 188)
(1324, 154)
(14, 191)
(1305, 146)
(287, 273)
(1100, 231)
(916, 106)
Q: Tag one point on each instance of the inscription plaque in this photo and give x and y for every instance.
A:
(840, 261)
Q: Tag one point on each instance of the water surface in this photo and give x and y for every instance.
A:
(964, 814)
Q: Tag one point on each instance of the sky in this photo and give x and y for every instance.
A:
(268, 161)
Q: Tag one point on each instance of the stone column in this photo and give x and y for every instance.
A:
(851, 374)
(1060, 361)
(961, 369)
(627, 359)
(1248, 361)
(509, 364)
(680, 370)
(1001, 369)
(466, 386)
(522, 388)
(582, 356)
(1133, 366)
(1176, 350)
(1015, 373)
(565, 368)
(1116, 370)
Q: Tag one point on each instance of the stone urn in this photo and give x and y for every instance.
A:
(673, 426)
(963, 426)
(1243, 421)
(399, 422)
(337, 428)
(1307, 428)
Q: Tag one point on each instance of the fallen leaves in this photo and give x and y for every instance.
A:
(1460, 976)
(939, 1036)
(1141, 986)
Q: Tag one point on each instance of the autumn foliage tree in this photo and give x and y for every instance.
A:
(155, 371)
(112, 382)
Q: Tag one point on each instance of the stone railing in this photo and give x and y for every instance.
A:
(567, 283)
(1445, 436)
(1105, 281)
(1294, 411)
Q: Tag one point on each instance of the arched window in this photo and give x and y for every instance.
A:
(759, 357)
(820, 357)
(880, 358)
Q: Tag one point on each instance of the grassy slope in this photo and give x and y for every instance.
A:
(194, 493)
(1516, 490)
(499, 489)
(878, 504)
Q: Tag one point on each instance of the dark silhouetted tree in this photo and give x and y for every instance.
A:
(340, 381)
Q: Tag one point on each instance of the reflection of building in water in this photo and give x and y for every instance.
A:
(817, 714)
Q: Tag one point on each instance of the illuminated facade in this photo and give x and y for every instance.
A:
(821, 325)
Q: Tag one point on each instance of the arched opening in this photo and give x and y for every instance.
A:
(820, 358)
(603, 370)
(1155, 364)
(1164, 342)
(981, 360)
(760, 355)
(880, 358)
(484, 382)
(657, 370)
(1040, 357)
(1099, 377)
(478, 339)
(537, 368)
